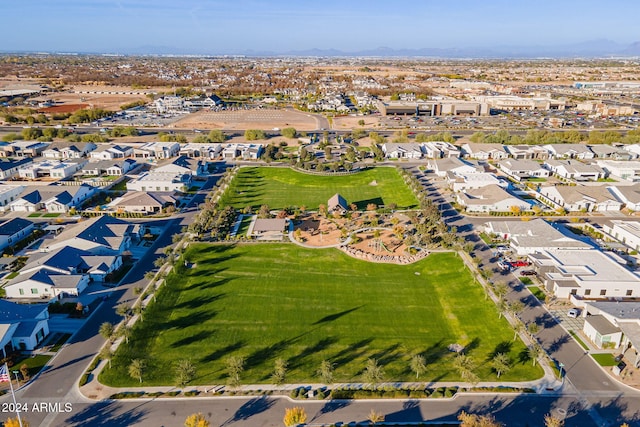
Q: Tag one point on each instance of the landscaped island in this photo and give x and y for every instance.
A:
(267, 301)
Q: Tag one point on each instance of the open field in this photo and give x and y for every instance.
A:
(265, 119)
(283, 187)
(267, 301)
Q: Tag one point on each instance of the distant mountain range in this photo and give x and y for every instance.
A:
(600, 48)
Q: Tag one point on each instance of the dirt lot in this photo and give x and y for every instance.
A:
(351, 122)
(249, 119)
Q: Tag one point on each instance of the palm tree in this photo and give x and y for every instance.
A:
(535, 352)
(125, 332)
(136, 369)
(106, 354)
(466, 366)
(123, 310)
(106, 330)
(501, 363)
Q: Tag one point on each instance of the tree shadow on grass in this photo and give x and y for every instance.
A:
(435, 352)
(202, 335)
(222, 352)
(503, 347)
(352, 352)
(362, 204)
(387, 355)
(188, 320)
(323, 344)
(200, 301)
(336, 316)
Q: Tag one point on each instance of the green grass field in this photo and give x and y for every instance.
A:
(280, 300)
(605, 359)
(282, 187)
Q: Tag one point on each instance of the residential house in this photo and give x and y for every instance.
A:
(10, 167)
(451, 164)
(491, 198)
(527, 152)
(23, 149)
(585, 274)
(626, 170)
(472, 181)
(481, 151)
(569, 151)
(440, 149)
(46, 285)
(157, 150)
(405, 150)
(207, 151)
(9, 193)
(632, 149)
(108, 167)
(581, 198)
(628, 195)
(625, 232)
(534, 236)
(245, 151)
(160, 181)
(146, 202)
(61, 150)
(22, 326)
(605, 151)
(185, 165)
(575, 170)
(14, 230)
(71, 260)
(103, 235)
(52, 169)
(111, 152)
(523, 169)
(613, 324)
(55, 198)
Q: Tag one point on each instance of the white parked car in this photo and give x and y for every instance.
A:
(574, 312)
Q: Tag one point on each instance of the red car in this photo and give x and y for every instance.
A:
(520, 263)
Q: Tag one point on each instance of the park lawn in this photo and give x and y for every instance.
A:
(283, 187)
(267, 301)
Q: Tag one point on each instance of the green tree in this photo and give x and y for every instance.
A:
(501, 363)
(235, 368)
(535, 352)
(279, 371)
(136, 369)
(254, 134)
(217, 135)
(106, 330)
(360, 122)
(373, 373)
(106, 354)
(123, 309)
(325, 372)
(289, 132)
(418, 365)
(466, 367)
(185, 372)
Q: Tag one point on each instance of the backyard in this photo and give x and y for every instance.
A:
(269, 301)
(283, 187)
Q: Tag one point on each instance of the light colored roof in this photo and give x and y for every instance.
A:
(269, 224)
(142, 198)
(593, 266)
(601, 325)
(537, 233)
(578, 193)
(520, 165)
(620, 310)
(487, 195)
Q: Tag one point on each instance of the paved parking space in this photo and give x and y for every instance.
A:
(569, 323)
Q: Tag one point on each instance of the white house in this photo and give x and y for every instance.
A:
(103, 235)
(111, 152)
(626, 232)
(629, 195)
(585, 274)
(451, 164)
(613, 324)
(9, 193)
(22, 326)
(108, 167)
(46, 285)
(405, 150)
(569, 151)
(581, 198)
(157, 150)
(58, 198)
(523, 169)
(48, 169)
(527, 152)
(185, 165)
(160, 181)
(439, 149)
(491, 198)
(575, 170)
(626, 170)
(68, 150)
(471, 181)
(527, 237)
(9, 168)
(481, 151)
(14, 230)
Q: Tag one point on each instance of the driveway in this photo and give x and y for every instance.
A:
(62, 323)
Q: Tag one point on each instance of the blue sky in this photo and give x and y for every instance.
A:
(237, 26)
